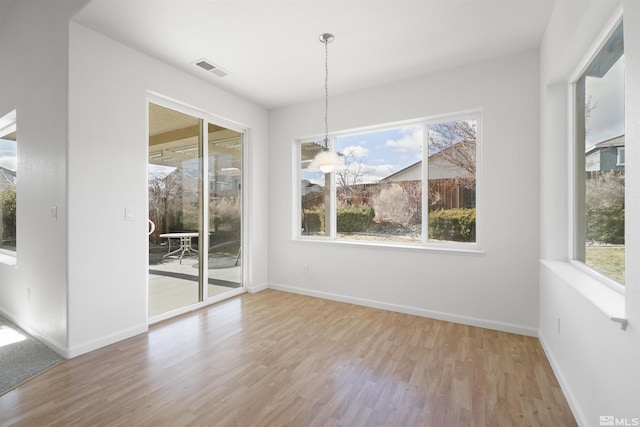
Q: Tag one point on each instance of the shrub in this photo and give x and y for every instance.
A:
(8, 213)
(354, 218)
(457, 225)
(312, 222)
(393, 204)
(606, 225)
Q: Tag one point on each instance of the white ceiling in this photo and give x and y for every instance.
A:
(272, 51)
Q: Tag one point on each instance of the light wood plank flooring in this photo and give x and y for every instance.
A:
(280, 359)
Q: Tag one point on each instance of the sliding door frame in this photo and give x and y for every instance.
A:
(206, 119)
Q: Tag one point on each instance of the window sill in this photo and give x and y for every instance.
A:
(445, 249)
(8, 259)
(602, 296)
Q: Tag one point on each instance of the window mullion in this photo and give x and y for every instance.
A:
(334, 198)
(425, 184)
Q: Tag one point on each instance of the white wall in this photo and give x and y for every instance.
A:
(33, 80)
(107, 173)
(597, 364)
(497, 289)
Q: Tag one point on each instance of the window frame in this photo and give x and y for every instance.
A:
(425, 244)
(8, 125)
(573, 162)
(620, 154)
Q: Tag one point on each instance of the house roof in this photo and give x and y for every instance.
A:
(414, 165)
(618, 141)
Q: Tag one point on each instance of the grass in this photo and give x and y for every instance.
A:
(607, 260)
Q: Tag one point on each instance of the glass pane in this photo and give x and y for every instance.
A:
(225, 210)
(452, 181)
(8, 180)
(379, 191)
(315, 196)
(601, 187)
(174, 178)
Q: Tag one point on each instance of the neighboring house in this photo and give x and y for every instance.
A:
(309, 187)
(451, 185)
(441, 166)
(606, 155)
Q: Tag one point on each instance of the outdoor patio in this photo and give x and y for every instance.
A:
(173, 283)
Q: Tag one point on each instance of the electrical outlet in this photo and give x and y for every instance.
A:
(558, 326)
(29, 294)
(305, 268)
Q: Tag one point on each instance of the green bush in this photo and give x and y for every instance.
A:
(606, 225)
(457, 225)
(312, 222)
(8, 213)
(354, 218)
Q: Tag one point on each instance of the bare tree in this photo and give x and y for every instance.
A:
(350, 180)
(455, 142)
(164, 194)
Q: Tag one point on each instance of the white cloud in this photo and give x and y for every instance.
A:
(370, 173)
(355, 151)
(409, 143)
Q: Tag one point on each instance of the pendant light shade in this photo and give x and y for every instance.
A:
(326, 160)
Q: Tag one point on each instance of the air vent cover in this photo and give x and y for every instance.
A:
(211, 67)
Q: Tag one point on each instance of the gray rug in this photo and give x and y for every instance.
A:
(21, 356)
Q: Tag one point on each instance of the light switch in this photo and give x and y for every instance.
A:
(54, 212)
(129, 214)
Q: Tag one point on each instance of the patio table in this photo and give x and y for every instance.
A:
(185, 243)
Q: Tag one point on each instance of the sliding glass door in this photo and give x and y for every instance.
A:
(195, 211)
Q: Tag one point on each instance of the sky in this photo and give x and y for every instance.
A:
(607, 99)
(377, 154)
(8, 156)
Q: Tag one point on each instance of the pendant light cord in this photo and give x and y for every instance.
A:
(326, 94)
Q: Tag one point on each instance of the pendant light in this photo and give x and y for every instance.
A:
(326, 160)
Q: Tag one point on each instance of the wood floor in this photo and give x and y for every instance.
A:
(280, 359)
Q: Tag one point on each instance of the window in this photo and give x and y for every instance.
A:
(599, 229)
(8, 181)
(412, 184)
(620, 157)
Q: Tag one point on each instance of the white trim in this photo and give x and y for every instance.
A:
(105, 341)
(596, 46)
(564, 384)
(252, 289)
(181, 107)
(472, 247)
(587, 59)
(448, 248)
(8, 257)
(608, 300)
(618, 151)
(8, 123)
(197, 306)
(432, 314)
(206, 118)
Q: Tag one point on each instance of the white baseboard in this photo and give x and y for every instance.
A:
(564, 385)
(257, 288)
(432, 314)
(106, 340)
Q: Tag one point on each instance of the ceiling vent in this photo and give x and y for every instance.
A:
(211, 67)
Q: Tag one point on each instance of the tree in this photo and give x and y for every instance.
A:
(456, 143)
(8, 214)
(350, 180)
